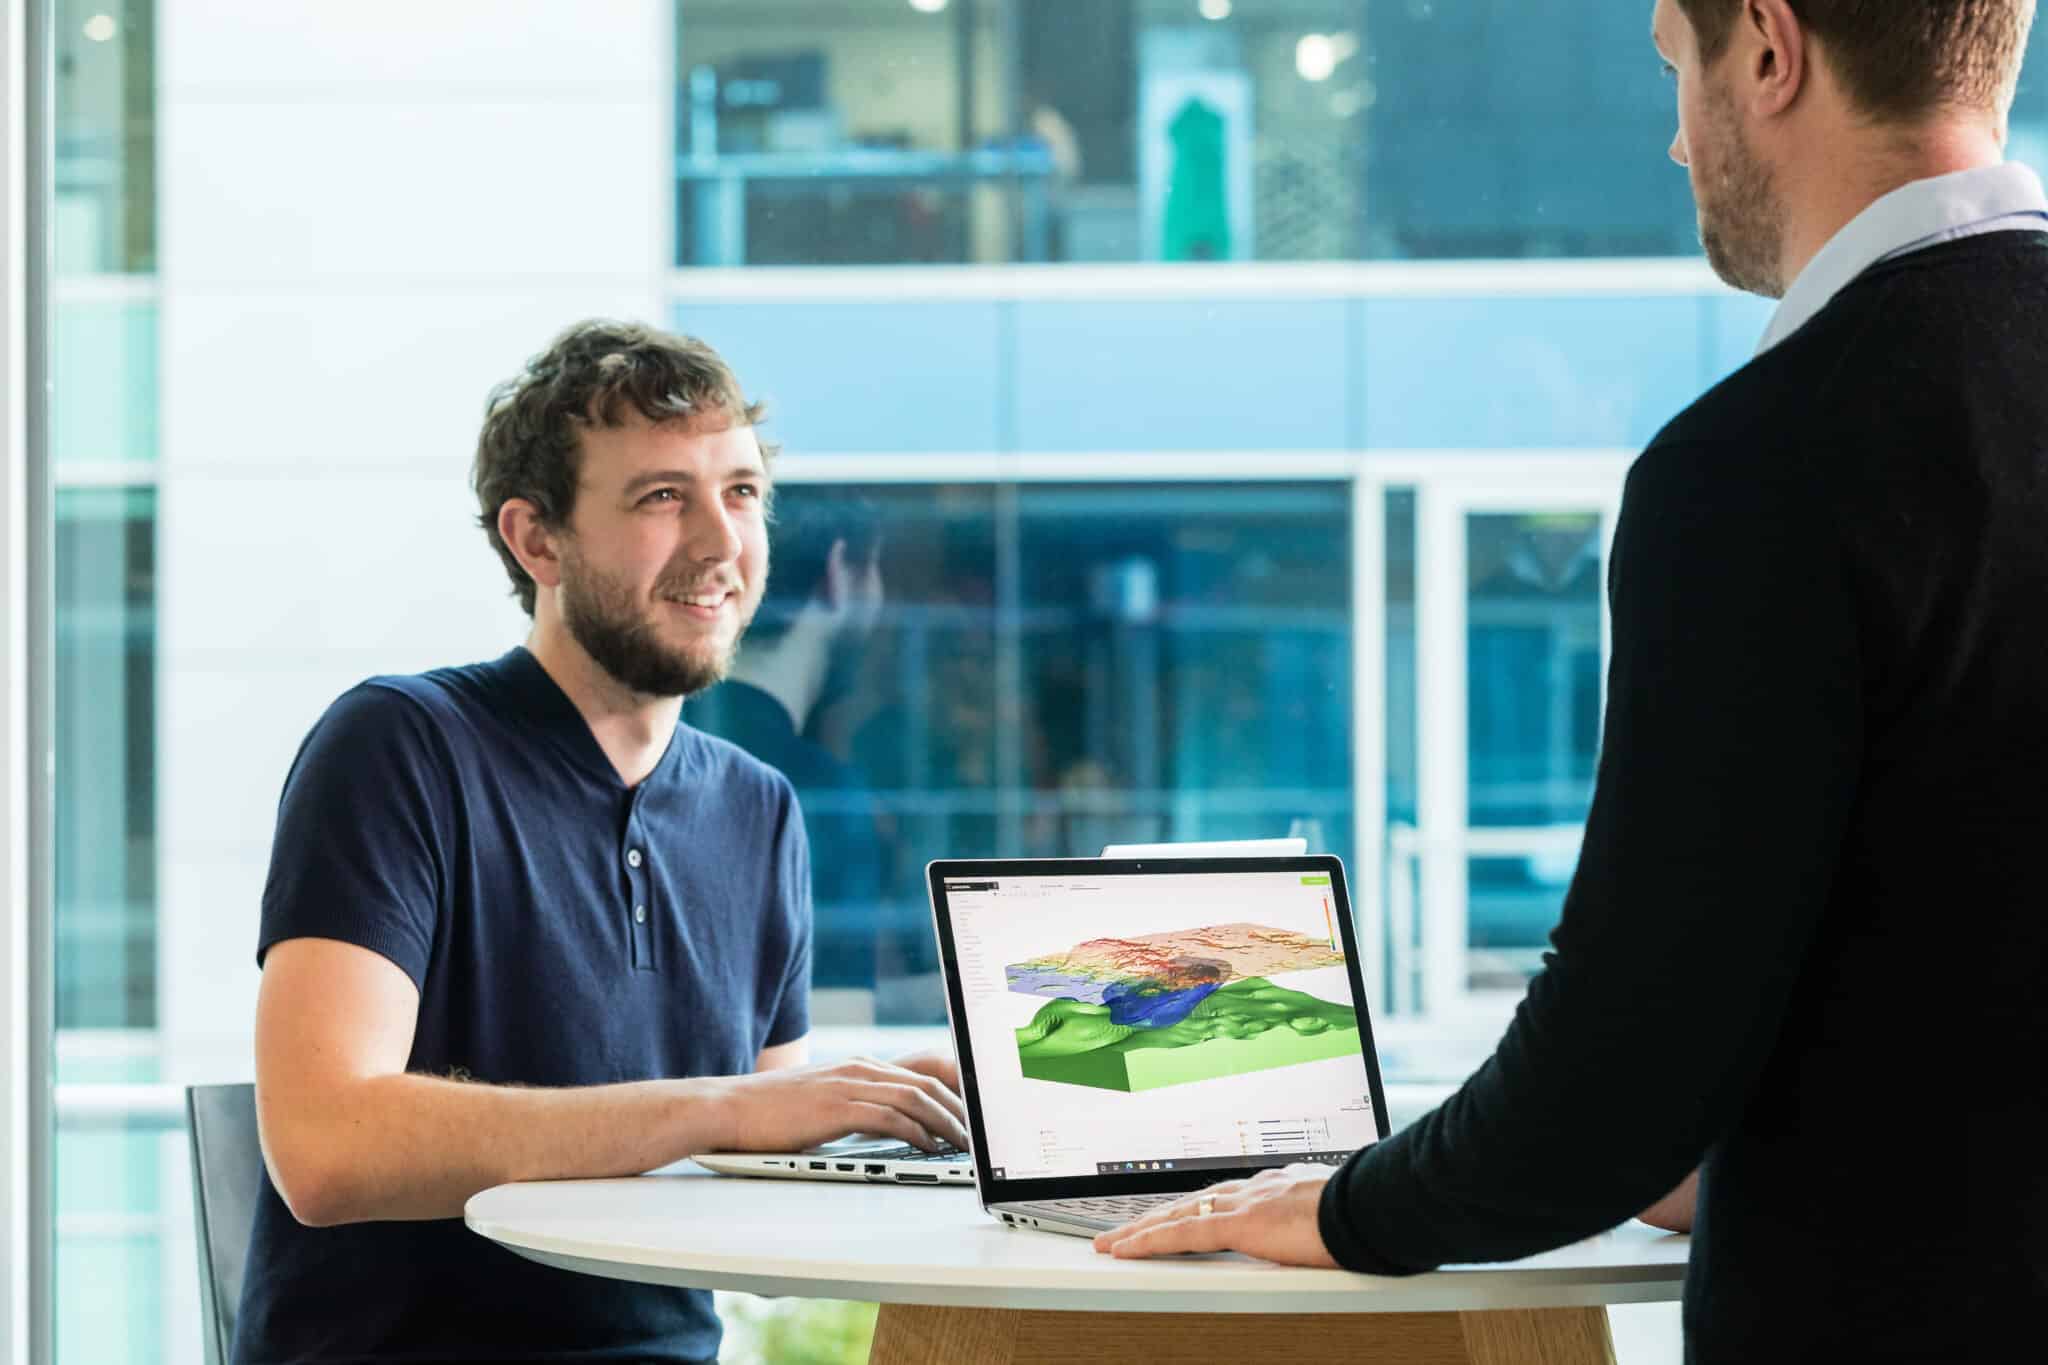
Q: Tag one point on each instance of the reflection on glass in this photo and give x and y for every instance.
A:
(1143, 664)
(867, 681)
(1401, 893)
(1534, 666)
(1186, 663)
(1402, 737)
(106, 758)
(113, 1281)
(103, 220)
(875, 132)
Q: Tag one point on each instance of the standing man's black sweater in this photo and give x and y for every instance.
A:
(1808, 937)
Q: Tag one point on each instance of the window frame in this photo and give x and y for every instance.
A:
(26, 1189)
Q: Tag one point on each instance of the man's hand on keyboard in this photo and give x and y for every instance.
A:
(1271, 1216)
(938, 1063)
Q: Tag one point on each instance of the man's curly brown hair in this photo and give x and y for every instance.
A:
(595, 374)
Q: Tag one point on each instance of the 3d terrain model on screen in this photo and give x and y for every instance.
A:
(1191, 1005)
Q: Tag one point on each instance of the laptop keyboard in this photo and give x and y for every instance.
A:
(1123, 1208)
(906, 1152)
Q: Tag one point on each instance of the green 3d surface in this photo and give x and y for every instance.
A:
(1232, 1029)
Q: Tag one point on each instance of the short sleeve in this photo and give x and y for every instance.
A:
(358, 850)
(791, 1018)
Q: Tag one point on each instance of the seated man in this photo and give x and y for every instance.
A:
(522, 924)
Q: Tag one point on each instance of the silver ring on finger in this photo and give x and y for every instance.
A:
(1205, 1206)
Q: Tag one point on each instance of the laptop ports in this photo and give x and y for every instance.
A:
(846, 1165)
(877, 1168)
(817, 1165)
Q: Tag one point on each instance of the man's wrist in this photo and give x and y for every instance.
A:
(700, 1113)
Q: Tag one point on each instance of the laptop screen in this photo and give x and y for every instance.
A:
(1191, 1020)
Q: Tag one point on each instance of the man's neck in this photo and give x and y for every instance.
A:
(1843, 185)
(633, 729)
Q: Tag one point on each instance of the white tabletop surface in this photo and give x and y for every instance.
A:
(912, 1244)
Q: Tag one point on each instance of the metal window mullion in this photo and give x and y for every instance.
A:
(26, 1186)
(1369, 729)
(1442, 777)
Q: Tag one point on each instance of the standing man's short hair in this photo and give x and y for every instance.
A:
(1900, 60)
(596, 373)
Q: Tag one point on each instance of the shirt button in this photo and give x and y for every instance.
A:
(632, 857)
(639, 914)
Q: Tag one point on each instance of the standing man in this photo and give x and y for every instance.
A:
(1807, 944)
(522, 924)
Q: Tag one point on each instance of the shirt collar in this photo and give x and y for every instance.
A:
(547, 708)
(1921, 214)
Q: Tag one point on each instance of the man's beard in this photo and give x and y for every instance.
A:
(601, 617)
(1742, 219)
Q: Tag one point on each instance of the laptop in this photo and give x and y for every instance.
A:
(887, 1160)
(1210, 848)
(882, 1161)
(1132, 1029)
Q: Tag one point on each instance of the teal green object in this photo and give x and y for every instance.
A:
(1197, 205)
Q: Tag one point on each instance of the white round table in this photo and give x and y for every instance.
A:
(959, 1287)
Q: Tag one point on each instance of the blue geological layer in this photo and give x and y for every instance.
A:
(1056, 985)
(1143, 1004)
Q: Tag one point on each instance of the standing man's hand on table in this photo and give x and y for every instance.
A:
(793, 1107)
(1271, 1216)
(1674, 1211)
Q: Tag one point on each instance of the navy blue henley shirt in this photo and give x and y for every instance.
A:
(563, 930)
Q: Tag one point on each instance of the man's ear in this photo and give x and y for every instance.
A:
(532, 544)
(1777, 60)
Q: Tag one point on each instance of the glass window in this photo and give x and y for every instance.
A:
(1176, 130)
(104, 218)
(106, 758)
(115, 1280)
(1036, 671)
(878, 131)
(1534, 667)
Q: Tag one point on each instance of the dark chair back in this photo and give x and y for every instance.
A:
(227, 1172)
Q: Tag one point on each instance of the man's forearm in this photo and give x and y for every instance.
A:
(416, 1147)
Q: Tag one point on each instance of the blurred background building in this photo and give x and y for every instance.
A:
(1242, 388)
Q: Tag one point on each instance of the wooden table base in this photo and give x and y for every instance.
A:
(910, 1335)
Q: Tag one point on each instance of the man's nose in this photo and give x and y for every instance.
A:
(714, 534)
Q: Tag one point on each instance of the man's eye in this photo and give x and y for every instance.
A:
(747, 490)
(661, 495)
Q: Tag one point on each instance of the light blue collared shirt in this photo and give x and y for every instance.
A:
(1912, 217)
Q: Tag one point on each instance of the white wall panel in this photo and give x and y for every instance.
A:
(277, 383)
(225, 764)
(275, 566)
(206, 967)
(383, 190)
(369, 214)
(465, 44)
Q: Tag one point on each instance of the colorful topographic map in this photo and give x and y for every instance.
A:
(1166, 1009)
